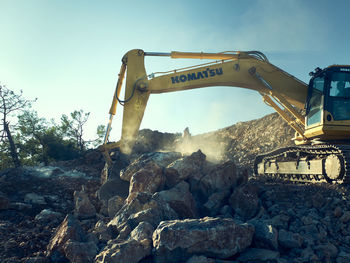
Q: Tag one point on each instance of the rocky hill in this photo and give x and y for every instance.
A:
(164, 206)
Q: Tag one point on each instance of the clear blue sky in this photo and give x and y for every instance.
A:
(67, 53)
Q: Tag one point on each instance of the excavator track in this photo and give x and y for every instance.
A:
(322, 163)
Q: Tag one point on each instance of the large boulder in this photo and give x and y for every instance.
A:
(186, 167)
(162, 159)
(80, 252)
(149, 179)
(177, 240)
(220, 178)
(143, 208)
(180, 200)
(131, 251)
(70, 229)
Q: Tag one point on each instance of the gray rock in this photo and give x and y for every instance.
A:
(4, 202)
(83, 207)
(114, 205)
(176, 240)
(200, 259)
(289, 239)
(70, 229)
(131, 251)
(143, 208)
(162, 159)
(80, 252)
(259, 255)
(149, 179)
(221, 177)
(35, 199)
(265, 235)
(215, 202)
(345, 218)
(245, 202)
(143, 231)
(180, 200)
(343, 257)
(280, 221)
(102, 232)
(186, 167)
(48, 215)
(113, 187)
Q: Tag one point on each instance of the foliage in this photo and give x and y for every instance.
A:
(32, 139)
(10, 103)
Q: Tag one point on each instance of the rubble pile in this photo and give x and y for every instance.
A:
(169, 207)
(243, 141)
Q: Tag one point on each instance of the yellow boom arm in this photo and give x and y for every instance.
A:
(251, 70)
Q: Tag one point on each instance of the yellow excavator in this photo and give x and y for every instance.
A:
(319, 112)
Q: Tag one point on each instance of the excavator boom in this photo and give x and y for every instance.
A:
(249, 70)
(316, 111)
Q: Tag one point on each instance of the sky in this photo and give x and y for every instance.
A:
(67, 54)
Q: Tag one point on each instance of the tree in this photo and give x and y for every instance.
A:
(73, 128)
(10, 103)
(44, 140)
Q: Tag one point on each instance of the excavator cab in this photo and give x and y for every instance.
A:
(328, 104)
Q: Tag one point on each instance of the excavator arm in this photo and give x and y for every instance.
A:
(251, 70)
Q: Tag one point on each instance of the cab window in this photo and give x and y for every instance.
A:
(315, 103)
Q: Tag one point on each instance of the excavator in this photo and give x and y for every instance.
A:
(319, 112)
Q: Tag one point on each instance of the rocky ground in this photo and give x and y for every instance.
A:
(165, 206)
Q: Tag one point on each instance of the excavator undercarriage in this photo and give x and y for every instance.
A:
(323, 163)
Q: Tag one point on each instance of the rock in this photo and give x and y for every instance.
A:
(131, 251)
(83, 207)
(244, 201)
(280, 221)
(114, 205)
(338, 211)
(69, 229)
(20, 206)
(143, 208)
(343, 257)
(345, 218)
(327, 252)
(48, 215)
(259, 255)
(265, 235)
(102, 232)
(113, 187)
(180, 200)
(220, 178)
(112, 170)
(35, 199)
(79, 252)
(4, 202)
(162, 159)
(148, 180)
(215, 202)
(289, 239)
(176, 240)
(318, 200)
(200, 259)
(144, 230)
(186, 167)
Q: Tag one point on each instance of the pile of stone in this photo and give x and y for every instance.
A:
(186, 209)
(159, 207)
